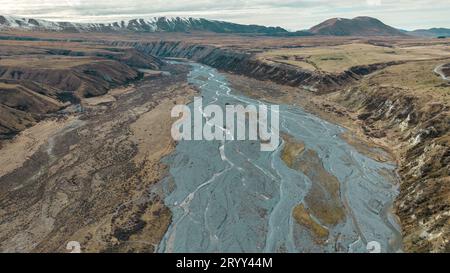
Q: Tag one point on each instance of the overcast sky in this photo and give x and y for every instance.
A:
(290, 14)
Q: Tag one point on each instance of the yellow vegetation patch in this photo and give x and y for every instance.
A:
(292, 149)
(335, 59)
(303, 218)
(418, 77)
(323, 199)
(45, 62)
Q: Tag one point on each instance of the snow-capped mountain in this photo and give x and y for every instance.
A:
(156, 24)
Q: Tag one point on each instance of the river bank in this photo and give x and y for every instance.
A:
(323, 107)
(92, 176)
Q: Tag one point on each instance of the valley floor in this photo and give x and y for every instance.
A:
(90, 176)
(87, 174)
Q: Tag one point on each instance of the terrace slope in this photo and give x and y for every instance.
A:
(39, 78)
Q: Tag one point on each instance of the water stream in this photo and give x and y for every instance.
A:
(231, 197)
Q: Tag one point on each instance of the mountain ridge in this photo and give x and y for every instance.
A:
(155, 24)
(431, 32)
(358, 26)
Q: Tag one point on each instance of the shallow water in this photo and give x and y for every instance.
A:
(231, 197)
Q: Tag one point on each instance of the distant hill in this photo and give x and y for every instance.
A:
(156, 24)
(359, 26)
(432, 32)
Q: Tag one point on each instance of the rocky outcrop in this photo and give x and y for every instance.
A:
(419, 132)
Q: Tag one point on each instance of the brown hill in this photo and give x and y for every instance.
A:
(23, 103)
(359, 26)
(39, 78)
